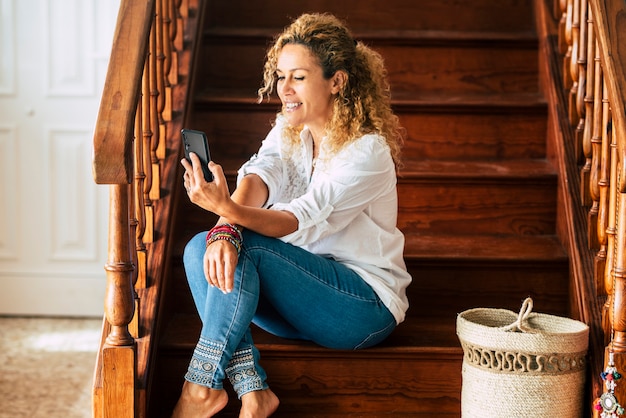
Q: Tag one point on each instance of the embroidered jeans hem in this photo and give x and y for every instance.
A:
(204, 364)
(242, 373)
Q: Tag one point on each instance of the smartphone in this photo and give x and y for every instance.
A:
(197, 142)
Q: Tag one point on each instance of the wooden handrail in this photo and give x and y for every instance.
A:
(114, 162)
(112, 144)
(594, 67)
(129, 149)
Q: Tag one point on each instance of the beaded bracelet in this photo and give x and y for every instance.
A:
(226, 228)
(226, 232)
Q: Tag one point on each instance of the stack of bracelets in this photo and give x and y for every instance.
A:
(226, 232)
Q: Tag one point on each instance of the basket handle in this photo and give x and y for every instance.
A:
(524, 312)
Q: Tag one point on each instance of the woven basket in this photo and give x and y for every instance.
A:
(521, 365)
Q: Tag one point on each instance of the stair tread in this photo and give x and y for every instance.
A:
(440, 170)
(432, 335)
(500, 170)
(506, 100)
(501, 15)
(503, 100)
(262, 34)
(476, 248)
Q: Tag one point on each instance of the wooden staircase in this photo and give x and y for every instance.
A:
(477, 193)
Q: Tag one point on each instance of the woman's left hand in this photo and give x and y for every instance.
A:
(212, 196)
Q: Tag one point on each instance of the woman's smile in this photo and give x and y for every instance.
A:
(291, 106)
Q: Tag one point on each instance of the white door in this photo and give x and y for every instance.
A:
(53, 217)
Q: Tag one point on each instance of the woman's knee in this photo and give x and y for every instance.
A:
(193, 257)
(195, 249)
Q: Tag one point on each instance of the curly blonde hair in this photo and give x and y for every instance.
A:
(363, 106)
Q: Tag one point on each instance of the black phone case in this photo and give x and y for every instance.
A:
(197, 142)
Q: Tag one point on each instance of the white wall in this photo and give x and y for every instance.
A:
(53, 218)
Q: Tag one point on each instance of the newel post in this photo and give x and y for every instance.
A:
(119, 352)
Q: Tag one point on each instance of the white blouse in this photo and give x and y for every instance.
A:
(346, 206)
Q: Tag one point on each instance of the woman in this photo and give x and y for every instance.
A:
(307, 245)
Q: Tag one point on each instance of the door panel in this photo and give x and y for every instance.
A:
(53, 217)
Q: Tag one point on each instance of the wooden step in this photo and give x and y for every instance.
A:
(306, 376)
(474, 198)
(477, 15)
(455, 273)
(465, 127)
(183, 331)
(461, 69)
(478, 249)
(416, 61)
(472, 127)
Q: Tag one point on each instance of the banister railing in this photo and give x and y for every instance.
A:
(115, 125)
(591, 38)
(128, 150)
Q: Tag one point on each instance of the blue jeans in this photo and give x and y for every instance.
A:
(286, 291)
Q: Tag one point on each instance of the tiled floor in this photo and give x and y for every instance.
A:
(46, 366)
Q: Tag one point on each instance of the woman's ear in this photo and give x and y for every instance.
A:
(339, 80)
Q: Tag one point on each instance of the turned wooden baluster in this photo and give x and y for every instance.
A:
(606, 215)
(145, 209)
(171, 58)
(573, 65)
(160, 79)
(601, 147)
(135, 221)
(154, 116)
(560, 12)
(166, 88)
(147, 138)
(567, 57)
(182, 12)
(590, 194)
(580, 95)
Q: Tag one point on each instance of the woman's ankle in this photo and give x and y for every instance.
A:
(258, 404)
(199, 401)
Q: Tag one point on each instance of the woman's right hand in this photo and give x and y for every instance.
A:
(220, 261)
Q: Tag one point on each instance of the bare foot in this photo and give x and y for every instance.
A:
(258, 404)
(199, 401)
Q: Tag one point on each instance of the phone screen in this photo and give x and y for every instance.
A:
(197, 142)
